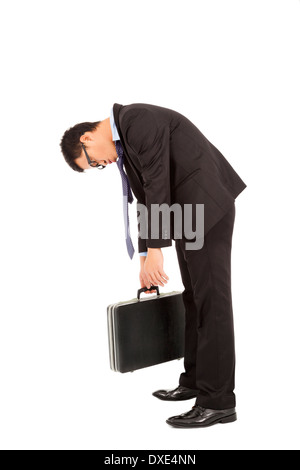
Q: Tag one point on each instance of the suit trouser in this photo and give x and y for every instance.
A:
(209, 359)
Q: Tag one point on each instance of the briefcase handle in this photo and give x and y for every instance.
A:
(144, 289)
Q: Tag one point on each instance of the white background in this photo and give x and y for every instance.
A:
(232, 67)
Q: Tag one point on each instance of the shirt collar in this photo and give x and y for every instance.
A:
(114, 130)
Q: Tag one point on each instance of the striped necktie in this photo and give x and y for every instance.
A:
(127, 197)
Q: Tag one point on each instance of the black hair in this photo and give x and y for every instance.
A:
(70, 142)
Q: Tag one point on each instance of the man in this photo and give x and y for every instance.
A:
(169, 161)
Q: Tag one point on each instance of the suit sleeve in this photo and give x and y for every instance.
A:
(142, 246)
(151, 144)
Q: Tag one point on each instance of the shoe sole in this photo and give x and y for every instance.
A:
(226, 420)
(176, 399)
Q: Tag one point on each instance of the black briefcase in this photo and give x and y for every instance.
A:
(145, 332)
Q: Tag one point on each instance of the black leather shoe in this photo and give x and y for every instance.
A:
(180, 393)
(200, 417)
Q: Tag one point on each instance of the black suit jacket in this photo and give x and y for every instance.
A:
(168, 160)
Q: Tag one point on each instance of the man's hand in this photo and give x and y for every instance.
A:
(143, 277)
(153, 268)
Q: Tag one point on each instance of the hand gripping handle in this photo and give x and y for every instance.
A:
(144, 289)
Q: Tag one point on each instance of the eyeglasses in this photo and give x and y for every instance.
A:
(92, 163)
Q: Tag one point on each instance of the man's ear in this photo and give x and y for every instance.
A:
(87, 136)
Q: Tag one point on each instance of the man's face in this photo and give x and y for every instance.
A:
(99, 149)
